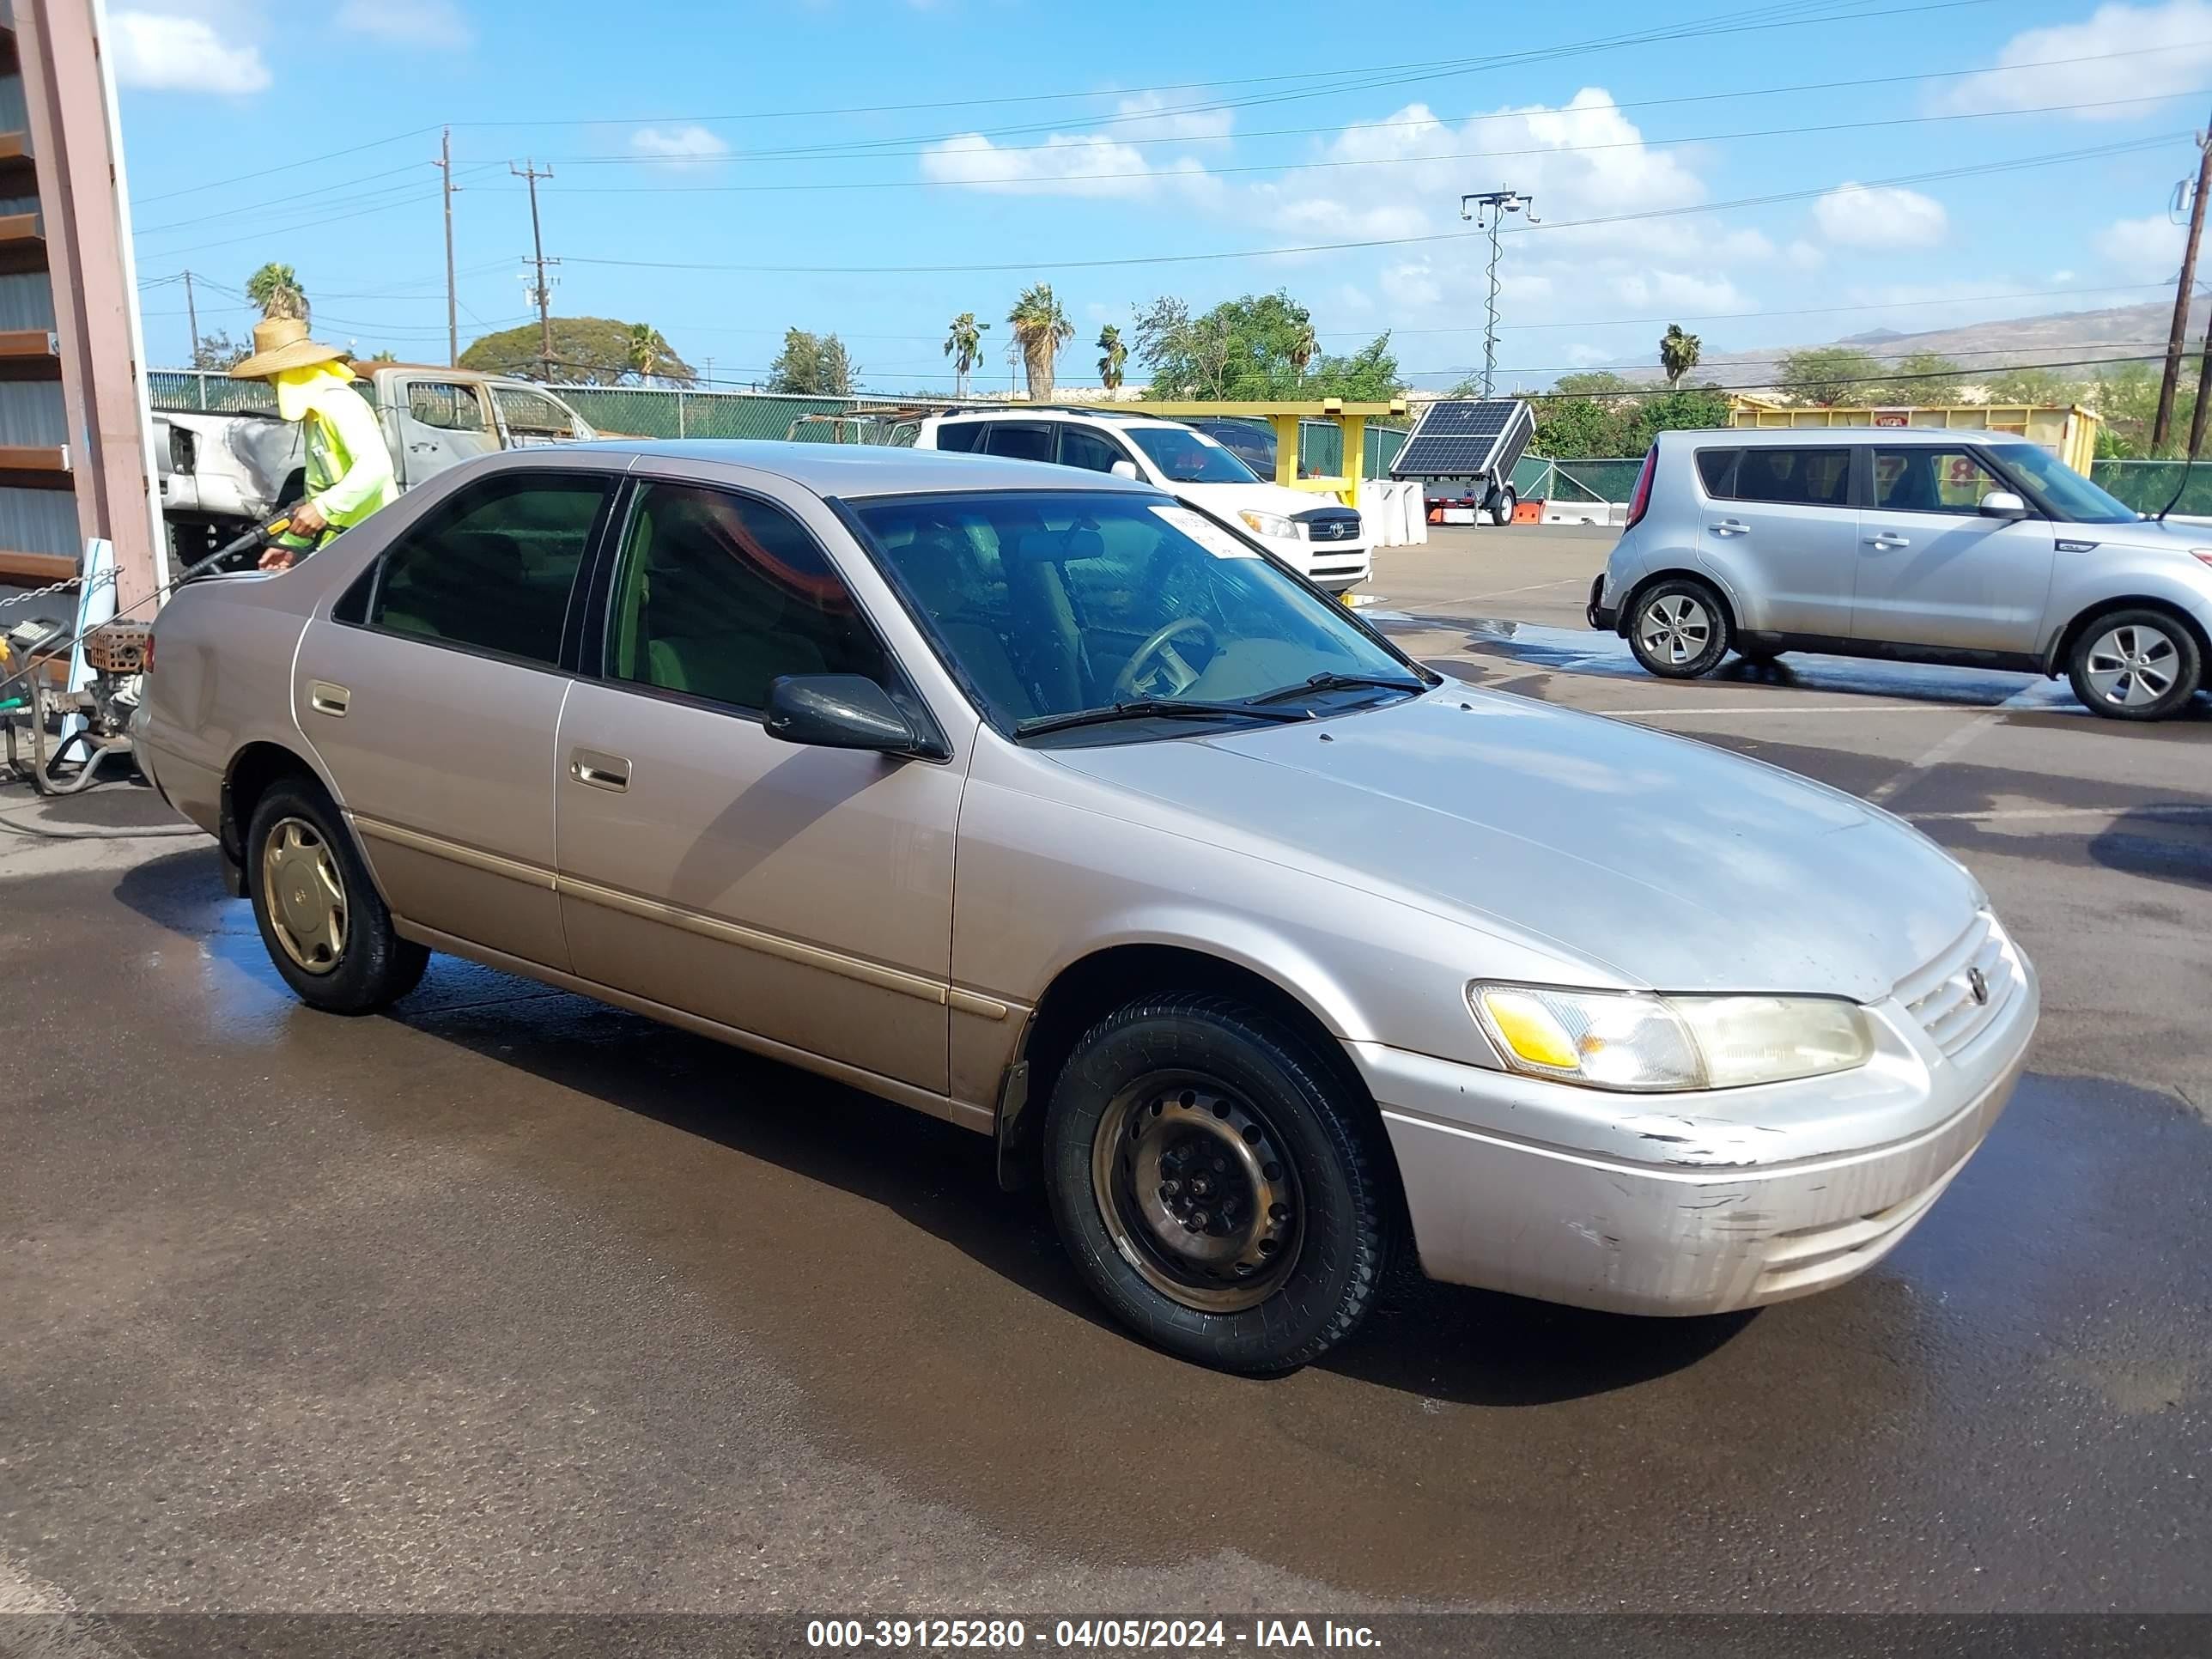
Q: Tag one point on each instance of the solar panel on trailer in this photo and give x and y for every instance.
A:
(1455, 439)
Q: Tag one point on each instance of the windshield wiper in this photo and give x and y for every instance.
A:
(1151, 708)
(1335, 682)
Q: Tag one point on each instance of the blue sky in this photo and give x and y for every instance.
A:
(696, 149)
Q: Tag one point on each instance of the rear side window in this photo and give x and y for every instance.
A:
(963, 436)
(493, 569)
(1795, 477)
(1716, 467)
(1021, 442)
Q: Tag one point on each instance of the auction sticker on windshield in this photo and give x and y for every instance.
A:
(1207, 534)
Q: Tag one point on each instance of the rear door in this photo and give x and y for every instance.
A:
(1020, 441)
(432, 696)
(1932, 571)
(1780, 525)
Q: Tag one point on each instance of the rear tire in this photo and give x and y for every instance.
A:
(320, 917)
(1679, 628)
(2138, 664)
(1501, 505)
(1214, 1188)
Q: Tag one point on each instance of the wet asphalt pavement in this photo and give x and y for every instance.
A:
(512, 1301)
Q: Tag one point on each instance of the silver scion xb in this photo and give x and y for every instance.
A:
(1035, 800)
(1961, 547)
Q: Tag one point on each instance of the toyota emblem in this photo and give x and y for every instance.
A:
(1979, 984)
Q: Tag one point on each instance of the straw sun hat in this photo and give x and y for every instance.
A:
(279, 343)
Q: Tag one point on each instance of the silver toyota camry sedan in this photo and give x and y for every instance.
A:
(1037, 801)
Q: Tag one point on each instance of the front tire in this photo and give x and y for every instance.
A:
(1678, 629)
(1214, 1186)
(2135, 665)
(321, 919)
(1501, 505)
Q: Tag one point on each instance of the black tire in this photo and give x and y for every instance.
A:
(1204, 1073)
(2135, 664)
(371, 966)
(1679, 628)
(1759, 656)
(1501, 505)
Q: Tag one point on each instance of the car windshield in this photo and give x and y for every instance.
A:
(1187, 457)
(2063, 490)
(1051, 604)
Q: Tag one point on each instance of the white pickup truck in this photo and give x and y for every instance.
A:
(221, 473)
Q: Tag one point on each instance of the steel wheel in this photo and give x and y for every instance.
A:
(2132, 664)
(1674, 628)
(304, 896)
(1196, 1192)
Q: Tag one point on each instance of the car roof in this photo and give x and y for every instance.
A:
(858, 470)
(1825, 436)
(1060, 412)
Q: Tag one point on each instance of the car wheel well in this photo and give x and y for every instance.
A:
(253, 769)
(2061, 651)
(1088, 990)
(1673, 573)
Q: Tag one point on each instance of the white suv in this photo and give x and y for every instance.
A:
(1317, 536)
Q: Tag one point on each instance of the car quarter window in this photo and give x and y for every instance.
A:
(1795, 477)
(718, 595)
(1092, 451)
(493, 568)
(961, 435)
(1922, 478)
(1716, 469)
(1021, 441)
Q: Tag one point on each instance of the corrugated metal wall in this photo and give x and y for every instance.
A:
(31, 411)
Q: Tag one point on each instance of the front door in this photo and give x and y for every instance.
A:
(1785, 535)
(441, 424)
(1932, 571)
(434, 709)
(801, 895)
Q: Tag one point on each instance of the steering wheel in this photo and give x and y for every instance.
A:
(1162, 646)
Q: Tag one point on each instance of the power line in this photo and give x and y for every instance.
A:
(2053, 159)
(287, 166)
(1848, 380)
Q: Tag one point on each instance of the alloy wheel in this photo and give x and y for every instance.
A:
(1675, 629)
(2132, 664)
(304, 896)
(1197, 1192)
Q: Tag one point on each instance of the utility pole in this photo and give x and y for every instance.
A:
(445, 165)
(2184, 291)
(1490, 209)
(192, 316)
(542, 294)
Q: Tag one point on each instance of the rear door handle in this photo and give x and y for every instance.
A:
(325, 698)
(1885, 542)
(610, 772)
(1731, 527)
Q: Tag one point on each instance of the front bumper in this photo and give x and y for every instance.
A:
(1335, 567)
(1743, 1197)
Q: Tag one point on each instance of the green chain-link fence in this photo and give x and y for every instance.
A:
(2147, 486)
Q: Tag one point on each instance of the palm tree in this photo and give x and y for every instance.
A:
(1110, 366)
(964, 343)
(1305, 347)
(644, 351)
(1678, 353)
(1041, 328)
(276, 289)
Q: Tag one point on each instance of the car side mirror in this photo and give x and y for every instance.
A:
(2003, 504)
(1124, 470)
(837, 711)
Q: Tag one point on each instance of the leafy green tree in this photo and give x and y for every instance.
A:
(1924, 377)
(1685, 407)
(276, 289)
(217, 352)
(812, 365)
(1828, 375)
(1041, 328)
(1591, 383)
(2125, 397)
(1258, 347)
(2035, 386)
(1576, 428)
(1678, 353)
(1113, 358)
(964, 343)
(586, 352)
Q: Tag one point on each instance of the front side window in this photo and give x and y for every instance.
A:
(1094, 452)
(719, 595)
(1049, 604)
(446, 406)
(492, 570)
(1187, 457)
(1922, 478)
(1795, 477)
(2065, 492)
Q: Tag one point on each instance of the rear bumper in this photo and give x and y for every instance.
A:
(1600, 615)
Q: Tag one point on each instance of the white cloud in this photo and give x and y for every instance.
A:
(1065, 164)
(1147, 116)
(2149, 247)
(160, 51)
(680, 146)
(2062, 276)
(433, 23)
(2169, 52)
(1802, 255)
(1876, 215)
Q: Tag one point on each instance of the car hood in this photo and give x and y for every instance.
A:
(1224, 499)
(1657, 860)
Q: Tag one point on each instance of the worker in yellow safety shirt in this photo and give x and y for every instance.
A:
(348, 469)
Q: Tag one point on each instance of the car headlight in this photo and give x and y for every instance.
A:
(1269, 524)
(1638, 1041)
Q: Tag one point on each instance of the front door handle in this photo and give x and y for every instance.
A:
(1731, 527)
(610, 772)
(325, 698)
(1885, 542)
